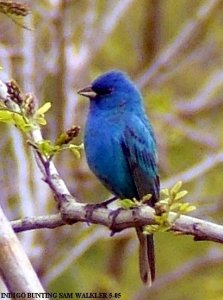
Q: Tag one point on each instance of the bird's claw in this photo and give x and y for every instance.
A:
(91, 207)
(105, 203)
(113, 215)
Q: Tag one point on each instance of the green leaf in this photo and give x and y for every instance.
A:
(21, 122)
(9, 117)
(150, 229)
(180, 195)
(165, 192)
(44, 108)
(47, 148)
(175, 206)
(191, 208)
(40, 120)
(183, 207)
(146, 198)
(38, 116)
(175, 189)
(75, 149)
(165, 201)
(6, 116)
(170, 203)
(75, 152)
(128, 203)
(186, 207)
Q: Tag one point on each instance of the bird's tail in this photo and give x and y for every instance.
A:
(146, 257)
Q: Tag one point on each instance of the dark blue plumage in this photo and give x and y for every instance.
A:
(121, 148)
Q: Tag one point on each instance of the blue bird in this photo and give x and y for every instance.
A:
(121, 149)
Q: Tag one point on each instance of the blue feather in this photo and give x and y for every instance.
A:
(121, 148)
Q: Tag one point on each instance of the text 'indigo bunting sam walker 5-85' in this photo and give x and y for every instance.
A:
(121, 149)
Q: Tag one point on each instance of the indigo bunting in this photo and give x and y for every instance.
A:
(121, 149)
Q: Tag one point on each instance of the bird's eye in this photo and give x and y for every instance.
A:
(110, 90)
(104, 91)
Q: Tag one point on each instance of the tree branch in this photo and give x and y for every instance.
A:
(15, 268)
(71, 211)
(118, 220)
(31, 223)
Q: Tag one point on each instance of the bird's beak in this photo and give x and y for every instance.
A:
(87, 92)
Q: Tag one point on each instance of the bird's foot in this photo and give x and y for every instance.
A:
(91, 207)
(105, 203)
(113, 216)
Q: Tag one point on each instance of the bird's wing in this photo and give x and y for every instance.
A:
(139, 147)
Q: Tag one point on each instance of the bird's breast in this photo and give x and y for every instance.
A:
(106, 158)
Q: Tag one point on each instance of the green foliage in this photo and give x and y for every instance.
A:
(21, 120)
(66, 137)
(17, 119)
(187, 80)
(63, 142)
(132, 203)
(39, 115)
(21, 112)
(171, 201)
(49, 149)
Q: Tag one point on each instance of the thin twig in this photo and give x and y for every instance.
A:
(186, 35)
(202, 100)
(74, 254)
(72, 211)
(197, 170)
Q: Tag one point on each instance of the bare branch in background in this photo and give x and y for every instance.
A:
(110, 20)
(16, 270)
(202, 99)
(198, 170)
(195, 134)
(66, 48)
(74, 254)
(37, 191)
(24, 192)
(213, 257)
(200, 55)
(168, 57)
(72, 211)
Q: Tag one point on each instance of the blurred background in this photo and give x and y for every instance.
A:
(173, 50)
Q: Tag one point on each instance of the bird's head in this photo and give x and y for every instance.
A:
(112, 90)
